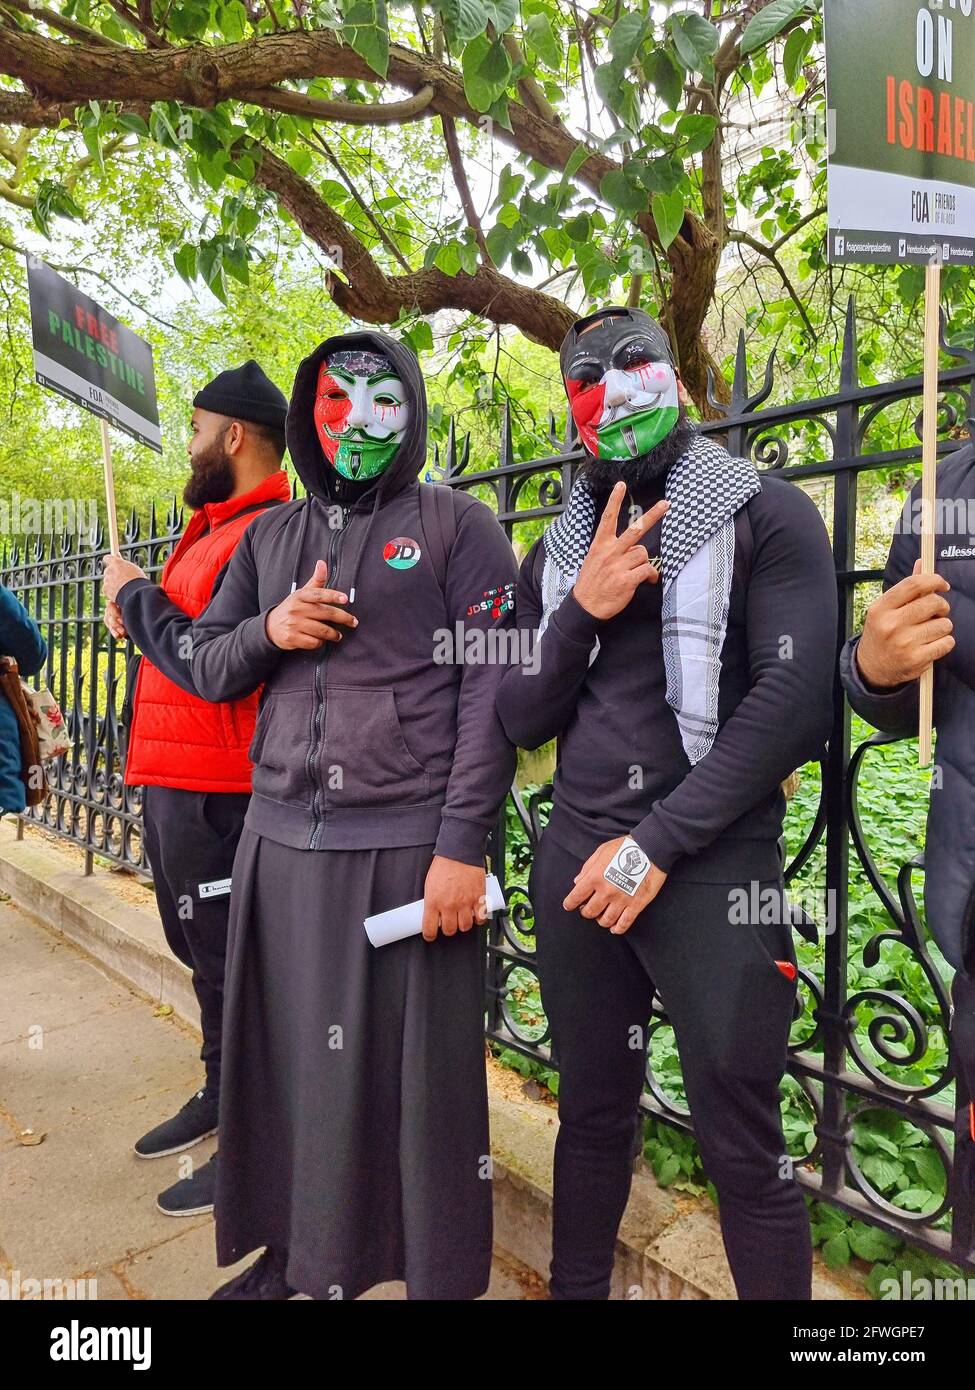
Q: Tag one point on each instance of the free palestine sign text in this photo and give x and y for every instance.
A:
(84, 353)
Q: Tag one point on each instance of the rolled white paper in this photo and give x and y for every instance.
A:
(401, 922)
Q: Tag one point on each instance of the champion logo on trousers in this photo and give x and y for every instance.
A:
(402, 552)
(216, 888)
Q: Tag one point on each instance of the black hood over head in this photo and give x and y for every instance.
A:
(311, 465)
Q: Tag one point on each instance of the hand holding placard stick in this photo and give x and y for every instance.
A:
(113, 538)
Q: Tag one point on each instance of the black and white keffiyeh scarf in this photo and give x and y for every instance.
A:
(706, 487)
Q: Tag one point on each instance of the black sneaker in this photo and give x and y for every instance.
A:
(195, 1122)
(190, 1196)
(263, 1280)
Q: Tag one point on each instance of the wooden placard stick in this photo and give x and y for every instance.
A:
(929, 482)
(113, 538)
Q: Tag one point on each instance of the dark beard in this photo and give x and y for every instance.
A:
(604, 473)
(212, 478)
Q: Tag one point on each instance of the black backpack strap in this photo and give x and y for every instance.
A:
(438, 518)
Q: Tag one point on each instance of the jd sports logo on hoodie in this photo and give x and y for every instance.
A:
(401, 553)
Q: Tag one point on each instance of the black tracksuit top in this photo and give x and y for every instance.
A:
(622, 768)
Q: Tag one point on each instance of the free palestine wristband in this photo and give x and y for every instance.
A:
(628, 867)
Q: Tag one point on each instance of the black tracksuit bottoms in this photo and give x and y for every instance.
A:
(713, 964)
(963, 1167)
(191, 839)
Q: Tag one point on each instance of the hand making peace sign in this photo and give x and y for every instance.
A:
(616, 565)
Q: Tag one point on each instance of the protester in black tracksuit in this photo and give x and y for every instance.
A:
(727, 985)
(920, 620)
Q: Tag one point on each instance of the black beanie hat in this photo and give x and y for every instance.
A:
(245, 393)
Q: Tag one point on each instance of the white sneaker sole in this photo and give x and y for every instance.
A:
(190, 1211)
(179, 1148)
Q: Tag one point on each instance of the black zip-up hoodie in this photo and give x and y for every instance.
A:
(376, 740)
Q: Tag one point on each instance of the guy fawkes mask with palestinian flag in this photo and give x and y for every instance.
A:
(362, 411)
(622, 386)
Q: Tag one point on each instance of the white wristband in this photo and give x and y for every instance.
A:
(628, 867)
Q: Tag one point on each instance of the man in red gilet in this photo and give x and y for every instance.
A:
(189, 755)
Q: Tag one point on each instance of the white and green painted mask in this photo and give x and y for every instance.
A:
(361, 412)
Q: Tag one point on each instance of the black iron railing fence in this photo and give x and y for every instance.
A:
(845, 1073)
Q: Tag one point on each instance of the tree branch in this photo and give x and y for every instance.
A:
(15, 151)
(139, 22)
(463, 187)
(70, 27)
(746, 239)
(62, 76)
(363, 206)
(9, 194)
(362, 289)
(202, 75)
(413, 108)
(529, 90)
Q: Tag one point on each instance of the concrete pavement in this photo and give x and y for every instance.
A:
(98, 1042)
(86, 1066)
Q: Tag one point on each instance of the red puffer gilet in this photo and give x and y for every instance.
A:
(177, 739)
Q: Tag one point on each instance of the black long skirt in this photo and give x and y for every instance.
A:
(353, 1105)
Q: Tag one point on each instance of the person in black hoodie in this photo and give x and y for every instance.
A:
(353, 1106)
(684, 658)
(920, 620)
